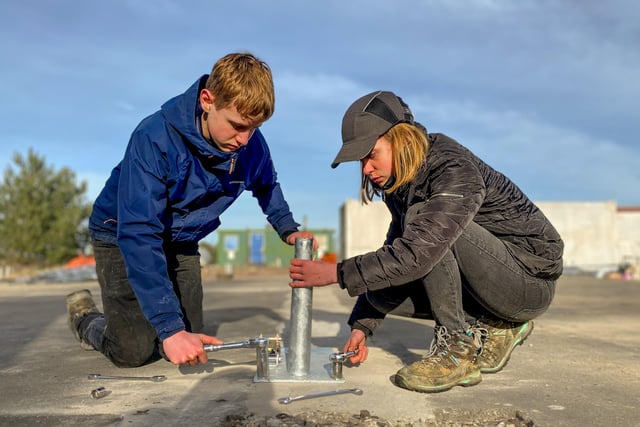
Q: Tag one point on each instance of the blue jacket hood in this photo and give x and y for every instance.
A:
(183, 114)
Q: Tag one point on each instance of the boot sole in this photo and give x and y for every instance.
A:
(523, 335)
(71, 300)
(473, 379)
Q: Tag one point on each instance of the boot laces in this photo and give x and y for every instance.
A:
(480, 335)
(440, 342)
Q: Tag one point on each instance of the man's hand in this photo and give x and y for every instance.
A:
(306, 273)
(291, 238)
(357, 340)
(186, 348)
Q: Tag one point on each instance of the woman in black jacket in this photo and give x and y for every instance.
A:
(465, 245)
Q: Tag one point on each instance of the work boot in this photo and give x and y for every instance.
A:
(79, 304)
(451, 361)
(499, 338)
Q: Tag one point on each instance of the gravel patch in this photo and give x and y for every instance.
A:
(443, 418)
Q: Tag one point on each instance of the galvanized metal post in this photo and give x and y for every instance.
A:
(299, 357)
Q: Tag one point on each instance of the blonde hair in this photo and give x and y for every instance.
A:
(409, 147)
(246, 81)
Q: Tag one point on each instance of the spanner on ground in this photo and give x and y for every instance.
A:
(289, 399)
(155, 378)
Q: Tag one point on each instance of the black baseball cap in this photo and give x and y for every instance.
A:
(366, 120)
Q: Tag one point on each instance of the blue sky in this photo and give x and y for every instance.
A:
(545, 91)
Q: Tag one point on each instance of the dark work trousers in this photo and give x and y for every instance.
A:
(477, 278)
(122, 333)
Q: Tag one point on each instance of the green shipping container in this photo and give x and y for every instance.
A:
(264, 247)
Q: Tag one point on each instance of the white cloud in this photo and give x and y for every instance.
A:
(317, 88)
(544, 98)
(124, 106)
(563, 163)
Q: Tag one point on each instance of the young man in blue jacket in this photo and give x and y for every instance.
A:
(183, 167)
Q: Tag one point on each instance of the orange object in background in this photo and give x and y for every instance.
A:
(330, 257)
(80, 261)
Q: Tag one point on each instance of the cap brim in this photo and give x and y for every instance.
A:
(355, 150)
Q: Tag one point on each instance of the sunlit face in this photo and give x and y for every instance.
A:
(227, 128)
(378, 164)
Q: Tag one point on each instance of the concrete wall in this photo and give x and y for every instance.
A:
(589, 231)
(364, 227)
(597, 235)
(629, 234)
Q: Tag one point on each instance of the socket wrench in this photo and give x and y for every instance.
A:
(155, 378)
(250, 343)
(288, 399)
(337, 360)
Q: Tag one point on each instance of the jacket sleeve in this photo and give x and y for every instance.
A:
(432, 223)
(142, 199)
(365, 316)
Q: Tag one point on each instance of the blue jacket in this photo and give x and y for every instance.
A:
(169, 191)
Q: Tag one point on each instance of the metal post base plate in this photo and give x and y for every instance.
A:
(319, 369)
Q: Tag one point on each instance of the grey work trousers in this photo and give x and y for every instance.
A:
(477, 278)
(122, 333)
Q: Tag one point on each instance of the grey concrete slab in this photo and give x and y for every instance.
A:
(580, 366)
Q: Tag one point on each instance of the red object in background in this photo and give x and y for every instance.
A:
(80, 261)
(330, 257)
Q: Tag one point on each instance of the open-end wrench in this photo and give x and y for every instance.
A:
(155, 378)
(289, 399)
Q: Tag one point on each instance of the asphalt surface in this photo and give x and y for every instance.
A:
(579, 367)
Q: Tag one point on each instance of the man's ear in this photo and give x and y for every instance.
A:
(206, 100)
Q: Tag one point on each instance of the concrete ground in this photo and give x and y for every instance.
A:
(580, 366)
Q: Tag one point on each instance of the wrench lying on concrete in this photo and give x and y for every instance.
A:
(155, 378)
(289, 399)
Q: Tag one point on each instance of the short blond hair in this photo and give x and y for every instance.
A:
(409, 146)
(245, 81)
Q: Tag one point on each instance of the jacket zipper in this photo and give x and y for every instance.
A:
(232, 165)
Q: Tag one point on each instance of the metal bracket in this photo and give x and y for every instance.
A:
(267, 352)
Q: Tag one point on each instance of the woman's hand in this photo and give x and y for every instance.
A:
(306, 273)
(357, 340)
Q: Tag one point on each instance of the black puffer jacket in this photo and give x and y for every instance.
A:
(453, 188)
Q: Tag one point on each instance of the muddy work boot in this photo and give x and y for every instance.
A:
(451, 361)
(79, 304)
(499, 338)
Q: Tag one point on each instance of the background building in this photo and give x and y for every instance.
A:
(598, 236)
(263, 247)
